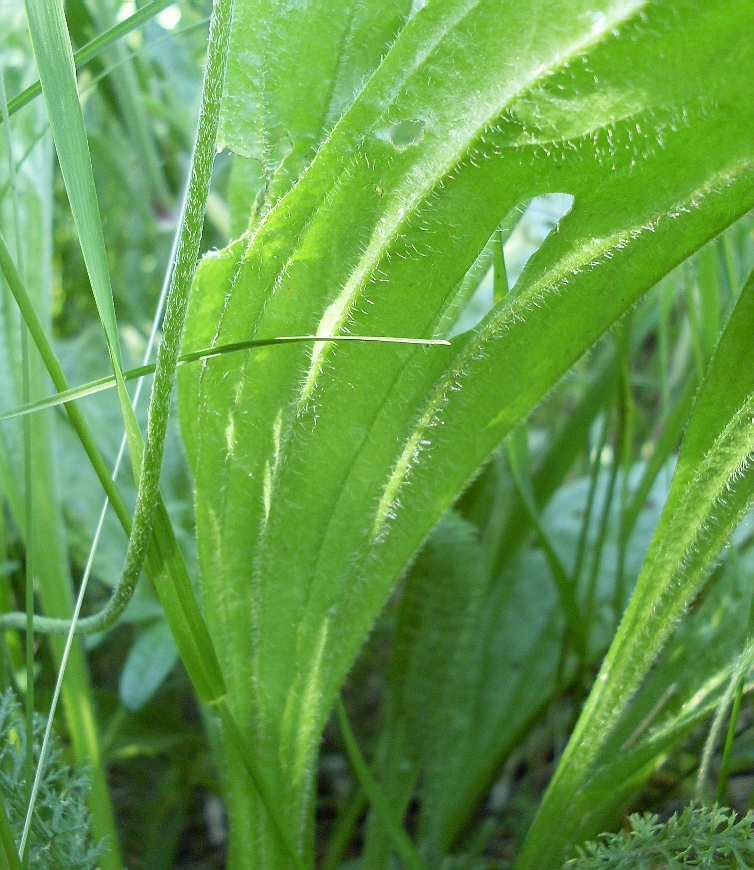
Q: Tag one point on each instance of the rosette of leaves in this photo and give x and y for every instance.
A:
(60, 833)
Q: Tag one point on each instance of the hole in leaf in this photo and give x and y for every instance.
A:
(539, 219)
(521, 234)
(404, 134)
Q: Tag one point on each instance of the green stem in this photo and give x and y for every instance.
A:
(148, 493)
(722, 779)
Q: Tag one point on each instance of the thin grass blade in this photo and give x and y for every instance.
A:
(106, 383)
(57, 75)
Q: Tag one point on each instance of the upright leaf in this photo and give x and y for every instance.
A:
(319, 473)
(712, 487)
(57, 74)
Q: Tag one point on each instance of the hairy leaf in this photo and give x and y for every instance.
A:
(319, 473)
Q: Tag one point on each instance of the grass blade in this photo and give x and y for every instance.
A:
(94, 48)
(106, 383)
(8, 843)
(57, 74)
(400, 839)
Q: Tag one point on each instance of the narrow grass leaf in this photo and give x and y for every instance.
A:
(6, 838)
(94, 48)
(398, 836)
(57, 74)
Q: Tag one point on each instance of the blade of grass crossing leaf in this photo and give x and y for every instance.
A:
(142, 371)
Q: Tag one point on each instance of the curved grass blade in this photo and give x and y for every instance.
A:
(106, 383)
(712, 488)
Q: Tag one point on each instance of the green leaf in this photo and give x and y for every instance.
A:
(474, 662)
(149, 663)
(292, 71)
(712, 488)
(320, 473)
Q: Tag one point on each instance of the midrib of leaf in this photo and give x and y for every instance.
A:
(338, 312)
(309, 218)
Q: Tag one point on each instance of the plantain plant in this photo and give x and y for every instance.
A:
(382, 154)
